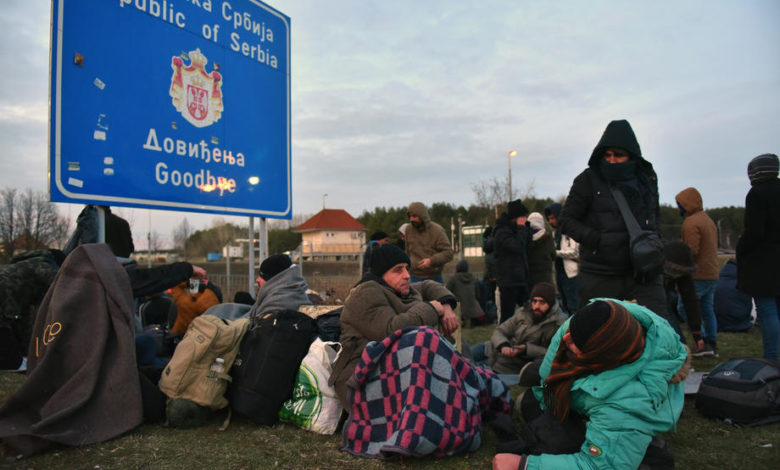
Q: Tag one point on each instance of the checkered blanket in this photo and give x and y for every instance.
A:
(415, 395)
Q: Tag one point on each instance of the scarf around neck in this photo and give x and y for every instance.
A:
(620, 340)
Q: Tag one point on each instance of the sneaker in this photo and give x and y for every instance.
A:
(529, 374)
(704, 350)
(714, 350)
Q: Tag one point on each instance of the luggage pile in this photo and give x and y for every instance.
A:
(265, 367)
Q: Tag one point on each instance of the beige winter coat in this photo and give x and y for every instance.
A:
(429, 241)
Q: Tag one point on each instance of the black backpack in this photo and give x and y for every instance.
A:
(268, 361)
(744, 391)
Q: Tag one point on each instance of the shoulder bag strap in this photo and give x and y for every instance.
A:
(631, 224)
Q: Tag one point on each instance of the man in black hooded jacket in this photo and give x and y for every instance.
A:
(511, 240)
(591, 217)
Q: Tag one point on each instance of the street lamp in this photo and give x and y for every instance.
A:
(511, 153)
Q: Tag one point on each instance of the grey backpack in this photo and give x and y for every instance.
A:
(743, 391)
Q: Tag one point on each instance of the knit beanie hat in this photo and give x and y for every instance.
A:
(679, 259)
(403, 228)
(516, 209)
(544, 290)
(462, 266)
(763, 168)
(385, 257)
(607, 335)
(378, 235)
(587, 321)
(273, 265)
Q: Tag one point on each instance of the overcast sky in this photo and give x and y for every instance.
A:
(398, 101)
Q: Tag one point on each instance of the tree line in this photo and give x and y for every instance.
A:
(28, 221)
(389, 219)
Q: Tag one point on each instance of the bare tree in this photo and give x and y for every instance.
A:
(8, 228)
(490, 193)
(29, 221)
(40, 225)
(494, 192)
(181, 234)
(155, 241)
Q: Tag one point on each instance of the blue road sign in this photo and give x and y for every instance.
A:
(171, 105)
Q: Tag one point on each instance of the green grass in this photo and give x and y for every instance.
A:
(698, 443)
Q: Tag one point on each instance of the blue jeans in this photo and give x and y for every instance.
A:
(567, 287)
(413, 278)
(705, 293)
(478, 353)
(768, 311)
(480, 359)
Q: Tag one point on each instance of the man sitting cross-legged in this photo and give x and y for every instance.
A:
(382, 302)
(525, 336)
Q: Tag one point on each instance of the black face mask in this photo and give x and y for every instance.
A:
(618, 172)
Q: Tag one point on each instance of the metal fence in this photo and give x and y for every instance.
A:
(237, 282)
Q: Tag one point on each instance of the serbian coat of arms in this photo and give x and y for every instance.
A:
(197, 95)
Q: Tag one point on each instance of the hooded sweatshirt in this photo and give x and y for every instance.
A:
(700, 234)
(625, 406)
(286, 290)
(428, 241)
(591, 215)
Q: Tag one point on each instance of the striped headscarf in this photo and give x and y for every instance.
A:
(612, 337)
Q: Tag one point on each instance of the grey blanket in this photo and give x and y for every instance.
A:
(82, 385)
(285, 291)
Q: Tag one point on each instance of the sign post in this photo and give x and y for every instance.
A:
(181, 106)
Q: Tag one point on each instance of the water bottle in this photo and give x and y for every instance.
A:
(217, 369)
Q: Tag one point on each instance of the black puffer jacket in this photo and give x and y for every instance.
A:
(591, 216)
(758, 249)
(510, 246)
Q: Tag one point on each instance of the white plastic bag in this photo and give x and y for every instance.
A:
(314, 404)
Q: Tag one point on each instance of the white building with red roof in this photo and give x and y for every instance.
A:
(332, 233)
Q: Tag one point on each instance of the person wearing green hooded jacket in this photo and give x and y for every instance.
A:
(617, 367)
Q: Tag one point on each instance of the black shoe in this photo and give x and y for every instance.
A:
(504, 427)
(706, 350)
(529, 374)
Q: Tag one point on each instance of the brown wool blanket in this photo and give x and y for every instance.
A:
(82, 385)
